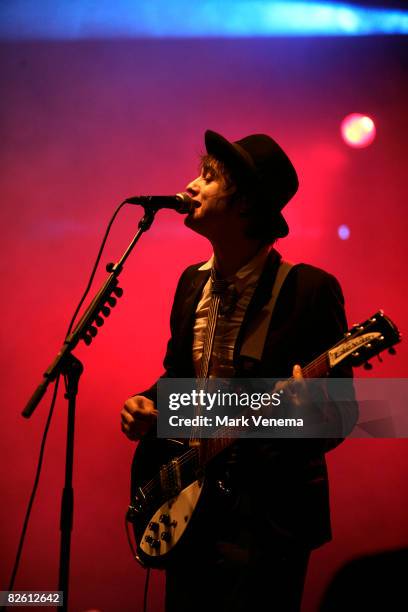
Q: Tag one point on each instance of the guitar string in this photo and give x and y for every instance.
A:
(186, 456)
(203, 368)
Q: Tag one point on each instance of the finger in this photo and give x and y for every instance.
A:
(124, 427)
(126, 417)
(129, 433)
(298, 382)
(132, 405)
(280, 386)
(139, 404)
(135, 409)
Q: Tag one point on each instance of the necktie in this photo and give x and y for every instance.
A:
(218, 289)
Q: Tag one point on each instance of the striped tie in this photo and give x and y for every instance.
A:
(218, 289)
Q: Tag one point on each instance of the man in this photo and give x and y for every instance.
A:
(252, 547)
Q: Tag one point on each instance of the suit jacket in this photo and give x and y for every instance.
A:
(284, 481)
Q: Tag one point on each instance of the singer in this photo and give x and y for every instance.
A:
(266, 506)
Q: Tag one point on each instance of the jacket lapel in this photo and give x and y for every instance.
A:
(189, 306)
(193, 292)
(260, 297)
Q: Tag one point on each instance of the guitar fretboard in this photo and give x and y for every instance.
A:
(208, 448)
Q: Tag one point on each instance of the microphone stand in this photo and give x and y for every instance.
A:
(71, 368)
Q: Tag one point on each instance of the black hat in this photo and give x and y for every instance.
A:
(258, 163)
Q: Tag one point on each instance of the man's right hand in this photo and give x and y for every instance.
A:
(138, 415)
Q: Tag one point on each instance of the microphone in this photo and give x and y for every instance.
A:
(181, 202)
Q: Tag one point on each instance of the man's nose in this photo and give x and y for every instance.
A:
(193, 188)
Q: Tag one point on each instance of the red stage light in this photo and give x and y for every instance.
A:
(358, 130)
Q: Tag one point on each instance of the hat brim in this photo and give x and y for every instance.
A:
(234, 157)
(240, 164)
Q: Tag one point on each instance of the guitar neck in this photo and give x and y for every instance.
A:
(359, 344)
(318, 368)
(210, 448)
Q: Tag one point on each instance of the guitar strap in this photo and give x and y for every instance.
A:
(253, 345)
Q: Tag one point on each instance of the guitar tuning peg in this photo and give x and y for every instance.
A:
(392, 351)
(368, 366)
(87, 338)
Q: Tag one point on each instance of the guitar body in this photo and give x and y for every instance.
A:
(161, 511)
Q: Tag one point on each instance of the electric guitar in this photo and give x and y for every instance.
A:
(168, 476)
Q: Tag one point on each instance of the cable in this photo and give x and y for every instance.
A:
(146, 589)
(34, 490)
(95, 267)
(129, 539)
(132, 548)
(51, 411)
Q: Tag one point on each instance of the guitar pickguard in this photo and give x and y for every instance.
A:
(168, 523)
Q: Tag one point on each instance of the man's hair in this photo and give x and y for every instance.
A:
(214, 167)
(260, 219)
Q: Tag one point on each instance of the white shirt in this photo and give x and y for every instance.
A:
(244, 282)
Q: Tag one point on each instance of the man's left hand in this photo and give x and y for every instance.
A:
(295, 389)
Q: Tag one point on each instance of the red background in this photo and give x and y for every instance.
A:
(86, 124)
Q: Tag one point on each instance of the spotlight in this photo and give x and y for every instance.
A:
(343, 232)
(358, 130)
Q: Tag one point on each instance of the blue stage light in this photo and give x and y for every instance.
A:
(343, 232)
(75, 19)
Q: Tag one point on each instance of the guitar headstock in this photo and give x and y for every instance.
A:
(365, 340)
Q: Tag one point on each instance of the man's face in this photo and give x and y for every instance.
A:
(213, 214)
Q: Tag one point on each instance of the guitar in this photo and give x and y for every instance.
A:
(166, 495)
